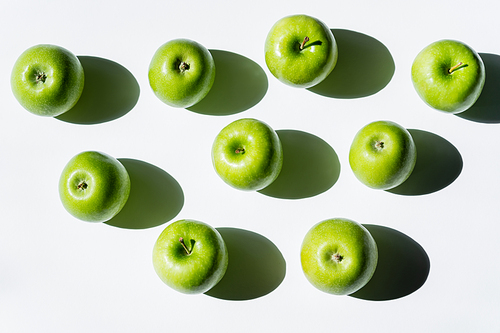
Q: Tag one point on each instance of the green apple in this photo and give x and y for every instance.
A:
(300, 51)
(47, 80)
(247, 154)
(448, 75)
(190, 256)
(338, 256)
(181, 73)
(382, 155)
(94, 186)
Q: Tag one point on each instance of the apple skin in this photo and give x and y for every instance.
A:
(174, 85)
(247, 154)
(338, 256)
(449, 92)
(293, 66)
(382, 155)
(198, 271)
(61, 86)
(104, 189)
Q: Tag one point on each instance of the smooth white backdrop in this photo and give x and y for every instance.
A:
(59, 274)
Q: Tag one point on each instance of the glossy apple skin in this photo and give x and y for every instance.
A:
(382, 155)
(455, 92)
(198, 271)
(258, 165)
(59, 91)
(293, 66)
(173, 85)
(352, 242)
(106, 186)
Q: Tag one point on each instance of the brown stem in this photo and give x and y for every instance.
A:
(184, 245)
(306, 39)
(240, 151)
(454, 68)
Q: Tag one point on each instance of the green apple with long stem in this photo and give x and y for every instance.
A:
(181, 72)
(47, 80)
(338, 256)
(94, 186)
(300, 51)
(448, 75)
(247, 154)
(382, 155)
(190, 256)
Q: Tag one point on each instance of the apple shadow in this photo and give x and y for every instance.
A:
(487, 107)
(310, 167)
(256, 266)
(438, 164)
(364, 67)
(239, 84)
(403, 266)
(155, 197)
(110, 91)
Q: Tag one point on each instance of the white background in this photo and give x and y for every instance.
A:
(59, 274)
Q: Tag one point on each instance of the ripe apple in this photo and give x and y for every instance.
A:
(47, 80)
(181, 73)
(338, 256)
(247, 154)
(300, 51)
(448, 75)
(382, 155)
(94, 186)
(190, 256)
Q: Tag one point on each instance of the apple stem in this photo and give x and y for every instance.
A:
(184, 66)
(306, 39)
(40, 76)
(454, 68)
(240, 151)
(82, 186)
(184, 245)
(337, 257)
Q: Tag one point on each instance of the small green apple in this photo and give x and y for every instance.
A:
(181, 73)
(47, 80)
(190, 256)
(448, 75)
(247, 154)
(382, 155)
(300, 51)
(94, 186)
(338, 256)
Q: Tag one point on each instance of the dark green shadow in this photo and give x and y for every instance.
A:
(487, 107)
(438, 164)
(256, 266)
(364, 67)
(155, 197)
(239, 84)
(403, 266)
(310, 167)
(110, 91)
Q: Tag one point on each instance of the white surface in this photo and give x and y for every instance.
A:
(58, 274)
